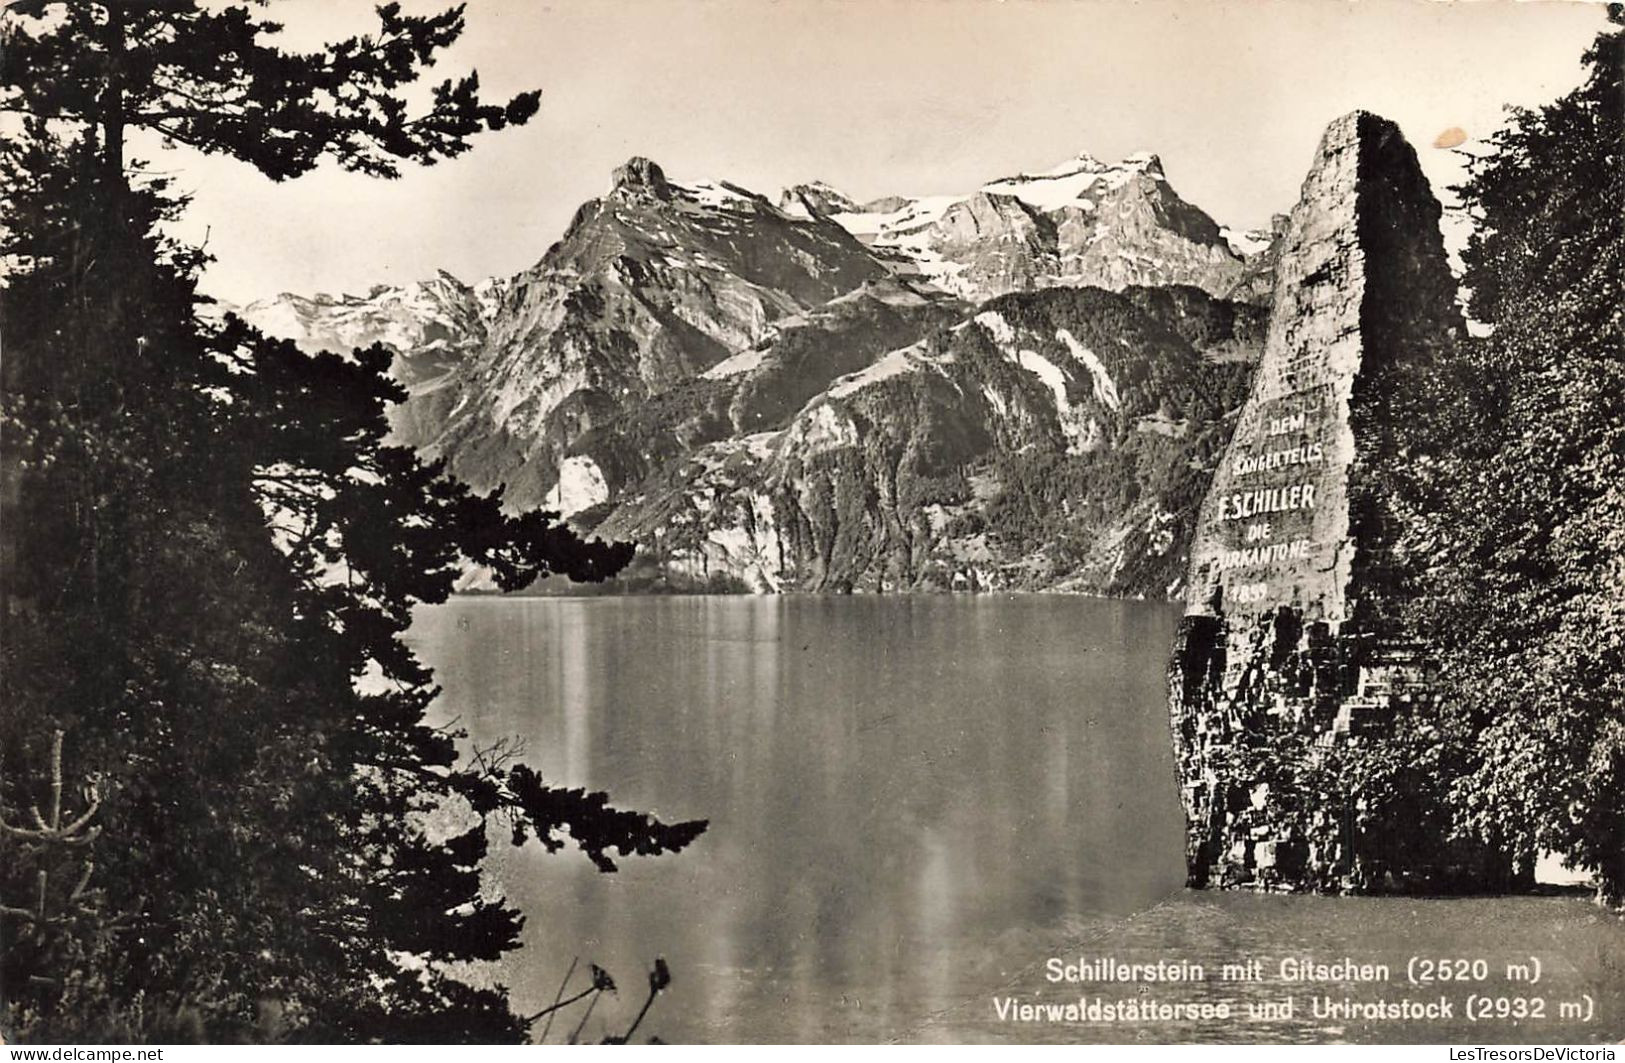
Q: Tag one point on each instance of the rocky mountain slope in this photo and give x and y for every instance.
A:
(1083, 222)
(434, 327)
(1054, 439)
(818, 394)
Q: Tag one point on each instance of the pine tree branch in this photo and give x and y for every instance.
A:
(84, 881)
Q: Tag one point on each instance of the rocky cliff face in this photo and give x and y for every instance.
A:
(1055, 439)
(650, 287)
(1291, 666)
(1259, 250)
(803, 395)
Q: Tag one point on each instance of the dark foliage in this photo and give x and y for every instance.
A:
(1527, 591)
(214, 79)
(224, 814)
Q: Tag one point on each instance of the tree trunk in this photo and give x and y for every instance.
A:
(112, 106)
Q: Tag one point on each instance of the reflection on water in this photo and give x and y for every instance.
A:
(914, 802)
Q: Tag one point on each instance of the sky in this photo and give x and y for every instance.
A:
(876, 97)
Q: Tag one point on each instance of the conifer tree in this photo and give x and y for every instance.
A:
(208, 545)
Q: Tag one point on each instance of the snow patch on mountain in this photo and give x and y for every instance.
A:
(1105, 387)
(490, 293)
(762, 445)
(736, 364)
(1084, 222)
(1248, 242)
(581, 486)
(282, 318)
(719, 195)
(819, 428)
(895, 363)
(1080, 430)
(1051, 375)
(997, 327)
(904, 227)
(1065, 185)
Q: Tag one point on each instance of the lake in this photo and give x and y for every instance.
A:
(915, 804)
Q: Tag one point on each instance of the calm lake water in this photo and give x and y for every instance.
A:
(914, 803)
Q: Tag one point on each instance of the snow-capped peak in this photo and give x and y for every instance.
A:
(719, 194)
(957, 242)
(815, 197)
(1247, 242)
(641, 178)
(1082, 162)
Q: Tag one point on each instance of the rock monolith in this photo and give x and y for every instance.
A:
(1292, 651)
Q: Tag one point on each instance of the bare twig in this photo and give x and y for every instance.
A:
(575, 1035)
(560, 994)
(492, 759)
(659, 979)
(563, 1003)
(84, 880)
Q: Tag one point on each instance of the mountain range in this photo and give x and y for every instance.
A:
(1025, 386)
